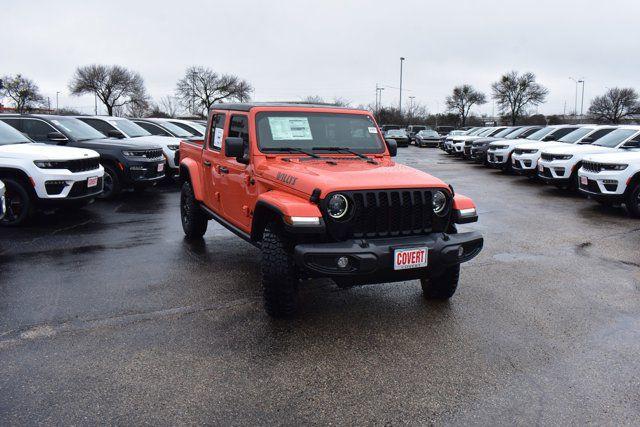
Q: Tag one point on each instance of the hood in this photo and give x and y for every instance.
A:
(36, 151)
(578, 149)
(617, 157)
(157, 140)
(350, 173)
(512, 142)
(539, 145)
(124, 144)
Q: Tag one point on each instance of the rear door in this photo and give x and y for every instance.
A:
(211, 154)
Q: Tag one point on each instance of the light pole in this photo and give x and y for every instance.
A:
(582, 97)
(57, 104)
(400, 102)
(411, 98)
(378, 98)
(575, 99)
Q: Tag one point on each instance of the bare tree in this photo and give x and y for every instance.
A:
(169, 105)
(24, 93)
(515, 92)
(313, 99)
(462, 99)
(339, 101)
(615, 105)
(202, 87)
(115, 86)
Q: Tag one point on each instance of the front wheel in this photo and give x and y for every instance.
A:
(112, 185)
(279, 275)
(442, 286)
(194, 221)
(19, 204)
(633, 200)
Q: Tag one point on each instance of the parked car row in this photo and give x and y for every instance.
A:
(600, 161)
(420, 135)
(49, 161)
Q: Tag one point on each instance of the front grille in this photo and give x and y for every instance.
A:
(592, 167)
(523, 151)
(152, 154)
(385, 213)
(77, 165)
(551, 157)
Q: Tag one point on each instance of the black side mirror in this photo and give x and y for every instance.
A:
(392, 145)
(57, 137)
(234, 147)
(586, 140)
(634, 143)
(114, 133)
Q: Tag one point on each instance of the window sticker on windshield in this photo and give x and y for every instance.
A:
(217, 138)
(290, 128)
(373, 130)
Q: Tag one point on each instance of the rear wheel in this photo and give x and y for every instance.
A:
(194, 221)
(633, 200)
(279, 275)
(19, 204)
(112, 185)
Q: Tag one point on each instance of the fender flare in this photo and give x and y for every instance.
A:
(189, 172)
(279, 205)
(631, 182)
(464, 210)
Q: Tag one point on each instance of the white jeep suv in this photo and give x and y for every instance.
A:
(459, 141)
(450, 139)
(44, 176)
(119, 127)
(525, 156)
(559, 165)
(614, 177)
(499, 152)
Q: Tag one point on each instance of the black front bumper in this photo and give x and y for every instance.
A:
(546, 177)
(479, 154)
(142, 173)
(371, 260)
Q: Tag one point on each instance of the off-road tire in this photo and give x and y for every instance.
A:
(443, 286)
(632, 200)
(279, 275)
(194, 221)
(17, 197)
(112, 185)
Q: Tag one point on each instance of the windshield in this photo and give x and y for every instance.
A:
(576, 135)
(486, 132)
(503, 133)
(198, 127)
(176, 130)
(9, 135)
(307, 130)
(427, 133)
(129, 128)
(613, 139)
(396, 132)
(538, 135)
(516, 133)
(77, 129)
(418, 128)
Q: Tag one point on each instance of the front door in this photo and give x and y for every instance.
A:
(211, 155)
(235, 176)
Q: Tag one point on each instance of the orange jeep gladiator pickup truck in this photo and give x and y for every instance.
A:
(316, 189)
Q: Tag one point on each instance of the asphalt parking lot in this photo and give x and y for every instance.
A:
(108, 316)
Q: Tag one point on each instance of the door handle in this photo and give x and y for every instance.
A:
(223, 169)
(206, 163)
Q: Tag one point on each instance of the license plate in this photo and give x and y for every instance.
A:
(92, 182)
(160, 167)
(584, 180)
(540, 168)
(404, 259)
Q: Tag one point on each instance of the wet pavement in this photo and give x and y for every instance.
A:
(108, 315)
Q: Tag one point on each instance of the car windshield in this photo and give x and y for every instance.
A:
(428, 133)
(486, 132)
(129, 128)
(418, 128)
(198, 127)
(576, 135)
(77, 129)
(503, 133)
(613, 139)
(301, 130)
(396, 132)
(478, 131)
(516, 133)
(9, 135)
(538, 135)
(176, 130)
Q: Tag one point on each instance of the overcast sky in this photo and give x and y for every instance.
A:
(332, 48)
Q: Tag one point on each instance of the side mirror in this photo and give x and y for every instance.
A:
(234, 147)
(634, 143)
(57, 137)
(586, 140)
(114, 133)
(392, 145)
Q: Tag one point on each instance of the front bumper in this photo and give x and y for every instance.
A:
(62, 184)
(371, 260)
(141, 172)
(606, 185)
(555, 171)
(525, 164)
(428, 142)
(498, 158)
(479, 154)
(458, 148)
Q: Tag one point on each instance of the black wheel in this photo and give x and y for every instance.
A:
(194, 221)
(442, 286)
(112, 185)
(633, 200)
(18, 202)
(508, 167)
(279, 275)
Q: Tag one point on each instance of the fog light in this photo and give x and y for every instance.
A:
(559, 171)
(343, 262)
(460, 252)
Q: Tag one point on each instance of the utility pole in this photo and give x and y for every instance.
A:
(582, 97)
(411, 98)
(95, 103)
(57, 103)
(575, 99)
(400, 102)
(378, 98)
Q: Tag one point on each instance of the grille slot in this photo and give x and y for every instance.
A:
(591, 166)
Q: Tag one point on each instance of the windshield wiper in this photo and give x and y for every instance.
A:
(292, 150)
(347, 150)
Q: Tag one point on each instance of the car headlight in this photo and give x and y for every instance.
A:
(337, 206)
(173, 147)
(564, 157)
(44, 164)
(439, 202)
(130, 153)
(615, 167)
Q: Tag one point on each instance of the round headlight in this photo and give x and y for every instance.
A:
(439, 202)
(337, 206)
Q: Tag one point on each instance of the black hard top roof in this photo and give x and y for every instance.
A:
(249, 105)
